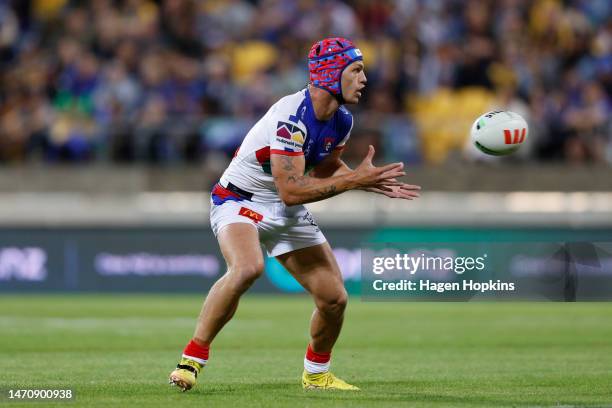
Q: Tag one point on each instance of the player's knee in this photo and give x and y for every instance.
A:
(334, 305)
(247, 273)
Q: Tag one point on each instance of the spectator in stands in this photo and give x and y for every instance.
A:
(171, 81)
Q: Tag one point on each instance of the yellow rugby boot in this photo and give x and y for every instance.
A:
(185, 374)
(325, 381)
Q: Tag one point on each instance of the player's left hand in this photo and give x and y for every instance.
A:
(396, 189)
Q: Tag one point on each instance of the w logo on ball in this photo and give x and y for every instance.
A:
(519, 136)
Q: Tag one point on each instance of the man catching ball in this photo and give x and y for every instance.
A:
(289, 158)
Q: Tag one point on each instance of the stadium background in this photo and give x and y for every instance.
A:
(116, 118)
(123, 114)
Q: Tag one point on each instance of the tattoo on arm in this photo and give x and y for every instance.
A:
(301, 181)
(305, 187)
(288, 163)
(321, 193)
(275, 177)
(327, 192)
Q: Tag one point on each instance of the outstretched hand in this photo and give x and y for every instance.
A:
(401, 190)
(383, 180)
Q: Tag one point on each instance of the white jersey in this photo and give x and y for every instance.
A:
(290, 127)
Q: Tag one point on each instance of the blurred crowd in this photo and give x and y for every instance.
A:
(179, 81)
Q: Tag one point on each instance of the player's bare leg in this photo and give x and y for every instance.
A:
(316, 269)
(239, 245)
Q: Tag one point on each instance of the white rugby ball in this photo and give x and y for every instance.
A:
(499, 132)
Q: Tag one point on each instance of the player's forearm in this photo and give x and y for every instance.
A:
(342, 169)
(296, 190)
(330, 169)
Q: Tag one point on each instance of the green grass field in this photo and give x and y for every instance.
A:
(118, 350)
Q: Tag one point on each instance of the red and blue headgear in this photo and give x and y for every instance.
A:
(327, 60)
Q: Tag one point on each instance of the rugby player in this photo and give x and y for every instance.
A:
(292, 156)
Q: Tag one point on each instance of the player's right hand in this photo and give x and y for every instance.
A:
(367, 175)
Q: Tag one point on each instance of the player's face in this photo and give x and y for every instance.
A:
(353, 82)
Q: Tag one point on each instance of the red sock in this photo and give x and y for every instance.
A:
(316, 362)
(196, 352)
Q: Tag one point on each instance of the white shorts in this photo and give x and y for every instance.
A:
(281, 229)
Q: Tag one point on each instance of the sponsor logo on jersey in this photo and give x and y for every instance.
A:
(289, 131)
(288, 142)
(247, 212)
(328, 143)
(298, 137)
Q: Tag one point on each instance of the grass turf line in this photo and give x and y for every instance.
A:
(117, 350)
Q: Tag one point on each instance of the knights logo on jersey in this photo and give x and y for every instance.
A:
(328, 143)
(290, 131)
